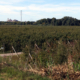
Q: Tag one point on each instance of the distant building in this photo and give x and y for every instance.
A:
(10, 20)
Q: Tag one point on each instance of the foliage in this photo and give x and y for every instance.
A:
(11, 73)
(62, 54)
(14, 69)
(43, 46)
(76, 66)
(19, 37)
(65, 21)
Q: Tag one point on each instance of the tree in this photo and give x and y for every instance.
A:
(53, 21)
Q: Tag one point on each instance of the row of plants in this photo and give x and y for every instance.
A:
(19, 37)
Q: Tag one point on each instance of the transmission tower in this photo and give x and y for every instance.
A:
(21, 17)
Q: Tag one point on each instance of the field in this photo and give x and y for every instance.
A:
(27, 35)
(49, 52)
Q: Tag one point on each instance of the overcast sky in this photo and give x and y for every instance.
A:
(33, 10)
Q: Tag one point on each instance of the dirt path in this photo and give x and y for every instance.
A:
(10, 54)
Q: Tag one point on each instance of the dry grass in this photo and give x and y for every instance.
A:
(57, 72)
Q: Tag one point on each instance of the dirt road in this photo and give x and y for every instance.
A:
(10, 54)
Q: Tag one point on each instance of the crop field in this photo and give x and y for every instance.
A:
(19, 36)
(49, 52)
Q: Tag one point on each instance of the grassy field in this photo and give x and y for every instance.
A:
(48, 52)
(13, 68)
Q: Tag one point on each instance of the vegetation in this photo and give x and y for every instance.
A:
(66, 21)
(47, 51)
(19, 37)
(13, 70)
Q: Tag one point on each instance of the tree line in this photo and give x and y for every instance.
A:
(65, 21)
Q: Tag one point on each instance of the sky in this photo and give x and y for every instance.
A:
(33, 10)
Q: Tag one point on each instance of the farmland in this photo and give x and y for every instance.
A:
(19, 37)
(44, 47)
